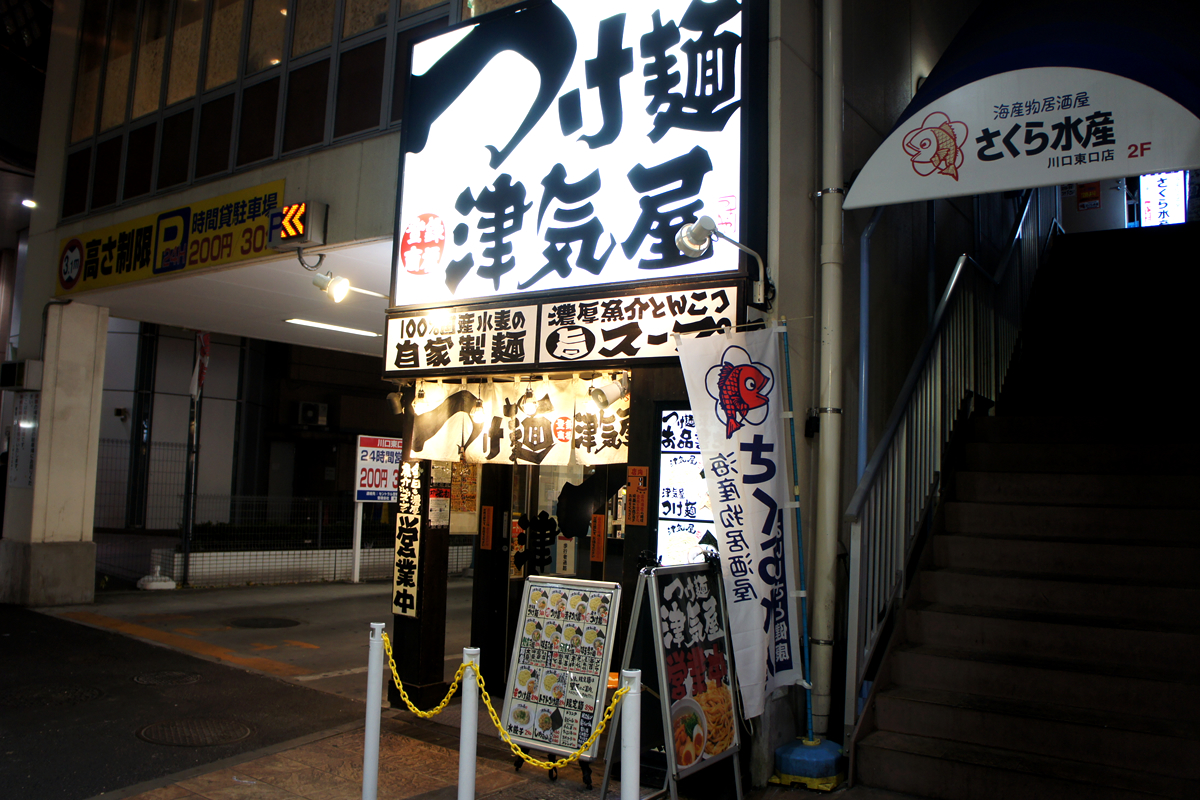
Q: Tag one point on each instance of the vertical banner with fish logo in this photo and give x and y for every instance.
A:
(734, 387)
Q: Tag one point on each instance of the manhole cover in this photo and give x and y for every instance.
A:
(195, 732)
(167, 678)
(264, 622)
(41, 696)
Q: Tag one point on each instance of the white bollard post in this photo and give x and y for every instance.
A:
(631, 735)
(468, 733)
(356, 559)
(374, 707)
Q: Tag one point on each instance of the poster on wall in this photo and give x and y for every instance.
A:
(22, 451)
(563, 146)
(559, 669)
(686, 532)
(463, 481)
(736, 402)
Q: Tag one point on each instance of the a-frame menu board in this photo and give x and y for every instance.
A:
(679, 611)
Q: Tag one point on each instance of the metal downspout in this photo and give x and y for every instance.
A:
(830, 437)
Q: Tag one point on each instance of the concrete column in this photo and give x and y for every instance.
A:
(47, 556)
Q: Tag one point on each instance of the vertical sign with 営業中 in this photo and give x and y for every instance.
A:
(406, 577)
(737, 402)
(377, 469)
(637, 495)
(208, 233)
(599, 536)
(685, 514)
(559, 670)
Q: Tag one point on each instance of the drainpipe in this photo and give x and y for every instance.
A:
(829, 508)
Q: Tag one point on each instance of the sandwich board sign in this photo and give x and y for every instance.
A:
(558, 674)
(678, 637)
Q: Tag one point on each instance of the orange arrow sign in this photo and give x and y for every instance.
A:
(293, 220)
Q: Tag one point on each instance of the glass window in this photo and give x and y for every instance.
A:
(185, 50)
(224, 43)
(313, 26)
(139, 160)
(473, 8)
(404, 59)
(308, 88)
(76, 182)
(120, 59)
(147, 89)
(108, 173)
(362, 15)
(256, 134)
(87, 78)
(360, 89)
(175, 150)
(216, 133)
(408, 7)
(268, 20)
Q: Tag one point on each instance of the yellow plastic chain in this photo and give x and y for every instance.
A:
(487, 701)
(562, 762)
(387, 647)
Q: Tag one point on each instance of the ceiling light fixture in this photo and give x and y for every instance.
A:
(29, 203)
(326, 326)
(336, 288)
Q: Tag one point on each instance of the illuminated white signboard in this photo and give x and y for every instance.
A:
(1164, 201)
(685, 516)
(562, 146)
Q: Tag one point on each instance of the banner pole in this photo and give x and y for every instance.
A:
(799, 536)
(357, 558)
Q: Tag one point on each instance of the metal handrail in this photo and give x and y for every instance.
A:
(966, 352)
(914, 373)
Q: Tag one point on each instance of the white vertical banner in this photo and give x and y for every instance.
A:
(737, 400)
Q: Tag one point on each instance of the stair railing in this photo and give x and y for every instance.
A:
(967, 352)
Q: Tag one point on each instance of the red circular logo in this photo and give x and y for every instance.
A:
(562, 429)
(422, 244)
(70, 265)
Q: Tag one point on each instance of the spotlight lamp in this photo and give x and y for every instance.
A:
(396, 402)
(336, 288)
(605, 396)
(693, 240)
(419, 402)
(478, 413)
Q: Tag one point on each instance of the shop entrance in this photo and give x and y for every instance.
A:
(539, 520)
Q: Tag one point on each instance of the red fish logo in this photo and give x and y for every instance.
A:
(741, 388)
(936, 146)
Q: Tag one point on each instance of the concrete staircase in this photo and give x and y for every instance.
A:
(1050, 642)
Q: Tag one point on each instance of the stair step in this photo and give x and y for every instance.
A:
(1088, 457)
(1005, 631)
(945, 769)
(1120, 740)
(1165, 564)
(1156, 524)
(1111, 688)
(1132, 602)
(1079, 430)
(1162, 491)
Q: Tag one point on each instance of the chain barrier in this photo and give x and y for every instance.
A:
(487, 701)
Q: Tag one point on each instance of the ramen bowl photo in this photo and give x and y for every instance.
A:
(689, 731)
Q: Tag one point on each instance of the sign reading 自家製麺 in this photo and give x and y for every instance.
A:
(562, 148)
(208, 233)
(736, 403)
(1042, 126)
